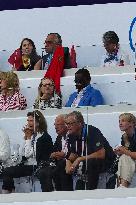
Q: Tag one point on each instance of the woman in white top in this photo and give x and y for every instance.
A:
(38, 147)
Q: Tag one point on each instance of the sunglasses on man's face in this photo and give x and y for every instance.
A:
(48, 42)
(78, 81)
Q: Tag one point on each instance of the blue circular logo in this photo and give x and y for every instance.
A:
(130, 35)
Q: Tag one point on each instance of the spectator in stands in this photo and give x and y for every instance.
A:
(53, 43)
(60, 152)
(114, 55)
(38, 147)
(47, 96)
(25, 58)
(127, 149)
(99, 153)
(10, 97)
(4, 148)
(85, 95)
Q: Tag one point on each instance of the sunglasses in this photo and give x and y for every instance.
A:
(48, 42)
(78, 81)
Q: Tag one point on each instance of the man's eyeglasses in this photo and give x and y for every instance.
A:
(60, 125)
(50, 85)
(78, 81)
(71, 123)
(48, 42)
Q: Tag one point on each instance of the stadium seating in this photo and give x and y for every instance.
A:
(103, 117)
(115, 85)
(105, 79)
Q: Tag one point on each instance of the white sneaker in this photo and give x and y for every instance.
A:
(121, 186)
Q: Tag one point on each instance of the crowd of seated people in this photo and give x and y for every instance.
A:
(25, 58)
(79, 148)
(48, 97)
(76, 145)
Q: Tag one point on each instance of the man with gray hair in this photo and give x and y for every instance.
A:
(53, 41)
(59, 155)
(114, 55)
(89, 146)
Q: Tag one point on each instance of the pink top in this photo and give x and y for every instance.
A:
(15, 102)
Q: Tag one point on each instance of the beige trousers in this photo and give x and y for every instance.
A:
(126, 168)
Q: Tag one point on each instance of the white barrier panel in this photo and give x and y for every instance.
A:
(95, 197)
(95, 78)
(111, 201)
(4, 65)
(98, 75)
(118, 93)
(30, 94)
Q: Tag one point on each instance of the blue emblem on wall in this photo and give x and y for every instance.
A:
(130, 35)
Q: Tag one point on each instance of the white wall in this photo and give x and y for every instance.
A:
(81, 25)
(80, 197)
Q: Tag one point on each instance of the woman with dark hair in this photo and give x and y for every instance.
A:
(47, 96)
(37, 148)
(25, 58)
